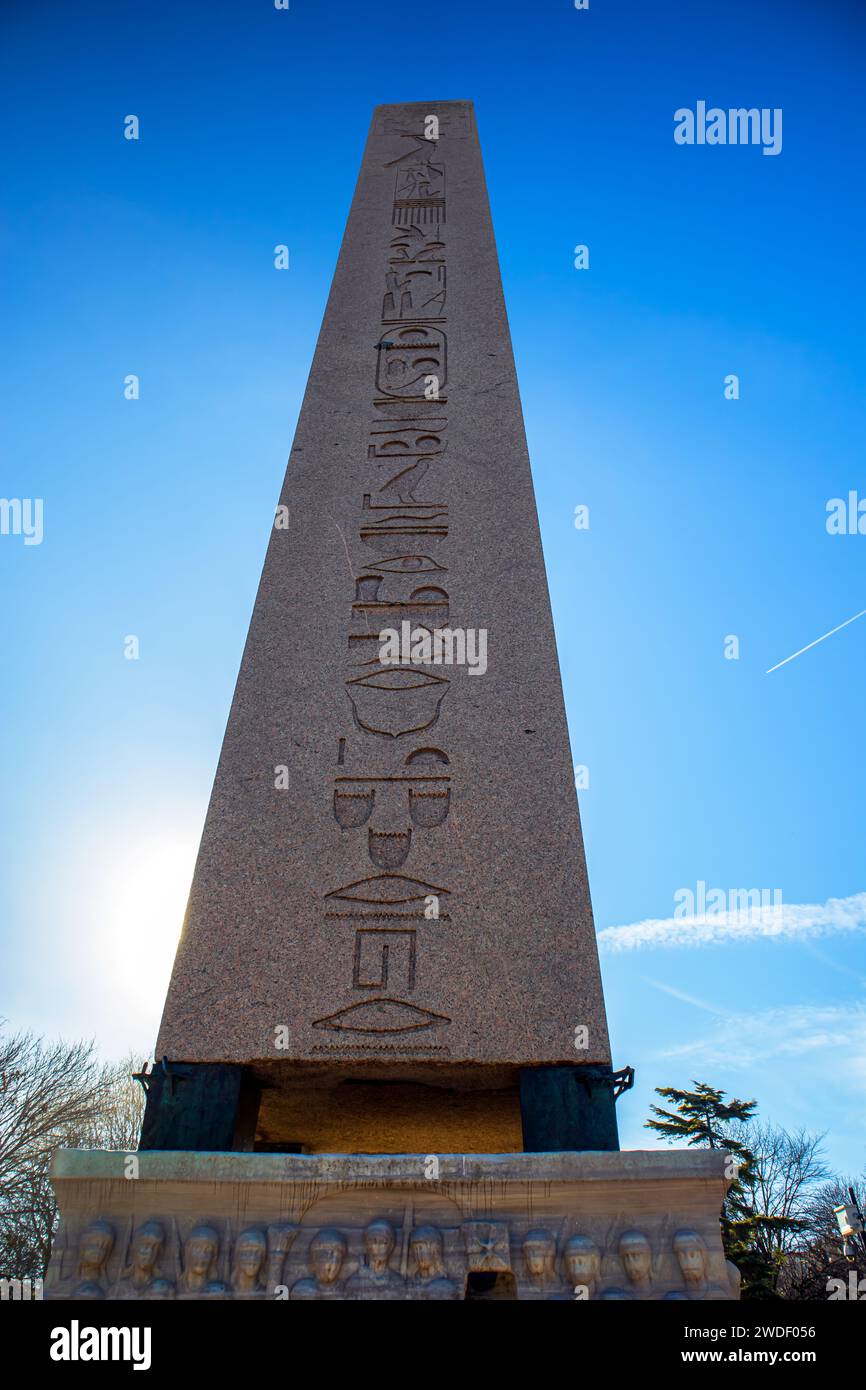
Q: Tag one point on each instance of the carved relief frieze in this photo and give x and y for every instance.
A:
(399, 1254)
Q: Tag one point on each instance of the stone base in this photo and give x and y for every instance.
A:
(571, 1226)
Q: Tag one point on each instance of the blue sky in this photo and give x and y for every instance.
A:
(707, 516)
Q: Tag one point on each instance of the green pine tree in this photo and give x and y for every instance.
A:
(704, 1118)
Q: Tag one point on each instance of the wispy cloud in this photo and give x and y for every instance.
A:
(686, 998)
(794, 1031)
(791, 921)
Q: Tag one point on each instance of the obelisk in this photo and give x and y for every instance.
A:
(391, 881)
(383, 1069)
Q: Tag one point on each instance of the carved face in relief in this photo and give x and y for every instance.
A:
(94, 1248)
(200, 1251)
(250, 1252)
(425, 1250)
(147, 1246)
(326, 1255)
(636, 1256)
(379, 1241)
(691, 1256)
(539, 1254)
(581, 1261)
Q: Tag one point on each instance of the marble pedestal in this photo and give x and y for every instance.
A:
(628, 1225)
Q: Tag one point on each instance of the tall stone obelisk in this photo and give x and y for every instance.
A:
(384, 1069)
(391, 880)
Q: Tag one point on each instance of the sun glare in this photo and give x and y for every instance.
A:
(146, 890)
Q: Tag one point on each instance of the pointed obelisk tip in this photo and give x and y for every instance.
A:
(423, 105)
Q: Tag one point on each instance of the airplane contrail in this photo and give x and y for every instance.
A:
(816, 641)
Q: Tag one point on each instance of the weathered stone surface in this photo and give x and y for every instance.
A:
(416, 898)
(579, 1227)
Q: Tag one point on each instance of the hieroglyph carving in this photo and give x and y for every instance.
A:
(397, 704)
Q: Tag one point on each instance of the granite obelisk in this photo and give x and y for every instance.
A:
(383, 1068)
(391, 879)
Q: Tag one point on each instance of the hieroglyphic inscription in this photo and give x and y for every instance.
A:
(395, 790)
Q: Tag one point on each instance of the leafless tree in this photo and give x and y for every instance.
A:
(818, 1258)
(53, 1095)
(116, 1123)
(44, 1088)
(786, 1169)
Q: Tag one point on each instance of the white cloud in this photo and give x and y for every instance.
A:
(686, 998)
(793, 1032)
(791, 921)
